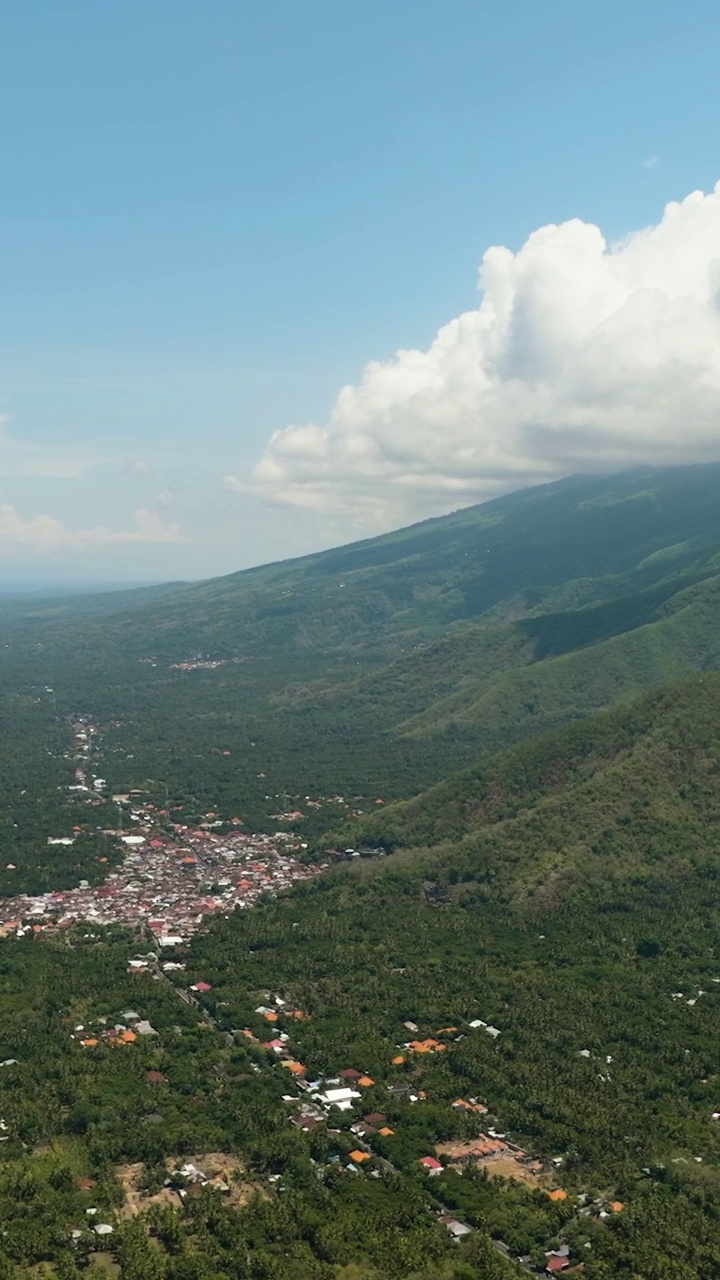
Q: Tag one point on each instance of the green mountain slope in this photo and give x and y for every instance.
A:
(628, 797)
(374, 670)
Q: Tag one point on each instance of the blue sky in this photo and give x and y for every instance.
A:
(215, 215)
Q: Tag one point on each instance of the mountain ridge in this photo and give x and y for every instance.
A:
(375, 669)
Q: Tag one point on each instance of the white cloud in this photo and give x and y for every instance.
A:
(581, 355)
(166, 497)
(43, 534)
(651, 162)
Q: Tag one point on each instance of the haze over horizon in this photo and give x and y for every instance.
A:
(241, 318)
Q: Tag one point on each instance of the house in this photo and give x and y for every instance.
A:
(365, 1082)
(306, 1123)
(342, 1098)
(296, 1068)
(201, 986)
(276, 1045)
(480, 1148)
(432, 1165)
(558, 1194)
(375, 1118)
(556, 1263)
(349, 1073)
(386, 1132)
(457, 1229)
(359, 1156)
(426, 1046)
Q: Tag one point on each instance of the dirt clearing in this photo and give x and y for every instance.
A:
(217, 1166)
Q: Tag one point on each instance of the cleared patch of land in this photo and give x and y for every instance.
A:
(214, 1164)
(507, 1166)
(136, 1200)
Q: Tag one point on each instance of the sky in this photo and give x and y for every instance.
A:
(275, 277)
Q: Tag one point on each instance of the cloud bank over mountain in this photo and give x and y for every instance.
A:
(582, 355)
(43, 534)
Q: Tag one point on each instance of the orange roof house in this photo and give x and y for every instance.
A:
(426, 1046)
(296, 1068)
(385, 1131)
(359, 1156)
(270, 1016)
(89, 1043)
(365, 1082)
(123, 1037)
(558, 1194)
(617, 1206)
(398, 1060)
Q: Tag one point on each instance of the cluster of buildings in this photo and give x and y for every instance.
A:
(168, 883)
(108, 1032)
(172, 875)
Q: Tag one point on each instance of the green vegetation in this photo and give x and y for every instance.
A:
(374, 670)
(537, 675)
(566, 895)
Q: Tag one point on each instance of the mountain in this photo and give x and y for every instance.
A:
(373, 670)
(630, 797)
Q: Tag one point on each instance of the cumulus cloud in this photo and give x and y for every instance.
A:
(581, 355)
(43, 534)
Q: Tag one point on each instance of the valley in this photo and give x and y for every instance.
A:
(487, 1047)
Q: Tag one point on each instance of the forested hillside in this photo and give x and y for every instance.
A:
(372, 671)
(631, 796)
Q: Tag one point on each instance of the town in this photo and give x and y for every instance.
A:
(172, 875)
(168, 883)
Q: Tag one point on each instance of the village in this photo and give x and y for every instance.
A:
(172, 875)
(167, 883)
(338, 1102)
